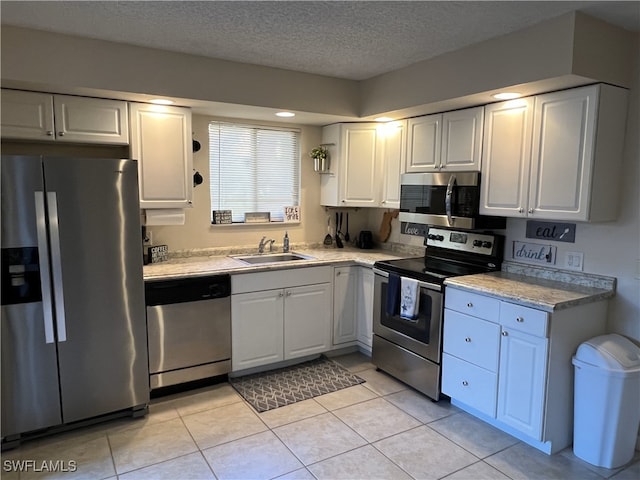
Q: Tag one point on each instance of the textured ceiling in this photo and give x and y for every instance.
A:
(354, 40)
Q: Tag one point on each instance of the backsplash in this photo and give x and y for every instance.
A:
(575, 278)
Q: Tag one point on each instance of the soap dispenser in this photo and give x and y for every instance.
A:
(285, 242)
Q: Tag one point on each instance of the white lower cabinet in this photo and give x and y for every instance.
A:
(307, 320)
(345, 298)
(292, 319)
(353, 307)
(365, 309)
(257, 329)
(510, 364)
(521, 386)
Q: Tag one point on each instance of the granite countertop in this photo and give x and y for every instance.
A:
(217, 263)
(546, 294)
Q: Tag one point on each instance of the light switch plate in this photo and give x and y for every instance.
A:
(574, 260)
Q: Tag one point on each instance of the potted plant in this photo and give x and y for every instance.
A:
(320, 155)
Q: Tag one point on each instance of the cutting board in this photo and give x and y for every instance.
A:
(385, 226)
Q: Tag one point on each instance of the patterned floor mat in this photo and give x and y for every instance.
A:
(284, 386)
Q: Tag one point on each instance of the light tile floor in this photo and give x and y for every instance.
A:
(377, 430)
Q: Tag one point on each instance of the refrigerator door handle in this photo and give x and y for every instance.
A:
(56, 265)
(43, 260)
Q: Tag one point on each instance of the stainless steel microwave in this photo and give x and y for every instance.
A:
(448, 199)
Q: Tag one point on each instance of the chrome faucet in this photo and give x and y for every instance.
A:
(263, 243)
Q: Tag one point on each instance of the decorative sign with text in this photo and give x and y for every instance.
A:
(416, 229)
(292, 214)
(534, 253)
(558, 232)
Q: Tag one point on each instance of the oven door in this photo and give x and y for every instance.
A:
(421, 336)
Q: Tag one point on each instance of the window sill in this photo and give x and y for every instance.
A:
(253, 224)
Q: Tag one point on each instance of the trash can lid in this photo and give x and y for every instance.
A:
(611, 351)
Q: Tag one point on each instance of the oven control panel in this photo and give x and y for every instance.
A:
(481, 243)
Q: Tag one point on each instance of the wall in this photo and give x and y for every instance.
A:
(570, 50)
(197, 232)
(58, 62)
(559, 53)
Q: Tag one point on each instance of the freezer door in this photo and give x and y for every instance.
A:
(30, 398)
(96, 261)
(29, 371)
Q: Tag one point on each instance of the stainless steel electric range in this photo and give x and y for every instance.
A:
(410, 349)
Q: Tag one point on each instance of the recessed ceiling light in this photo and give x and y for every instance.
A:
(285, 114)
(384, 119)
(506, 95)
(162, 101)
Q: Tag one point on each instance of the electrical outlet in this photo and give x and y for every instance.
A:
(148, 240)
(574, 260)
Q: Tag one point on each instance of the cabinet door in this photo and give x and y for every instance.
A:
(345, 291)
(361, 159)
(365, 307)
(91, 120)
(423, 143)
(562, 154)
(27, 115)
(161, 142)
(256, 329)
(307, 320)
(393, 137)
(462, 139)
(521, 384)
(506, 158)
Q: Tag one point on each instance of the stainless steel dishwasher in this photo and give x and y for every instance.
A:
(189, 329)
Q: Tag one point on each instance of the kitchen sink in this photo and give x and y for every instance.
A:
(261, 258)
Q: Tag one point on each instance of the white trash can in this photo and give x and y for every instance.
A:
(607, 400)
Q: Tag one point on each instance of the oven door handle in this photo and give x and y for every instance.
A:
(428, 286)
(450, 185)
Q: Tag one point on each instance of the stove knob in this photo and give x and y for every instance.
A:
(477, 243)
(431, 236)
(487, 244)
(440, 238)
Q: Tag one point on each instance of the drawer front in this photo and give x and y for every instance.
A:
(472, 304)
(469, 384)
(272, 280)
(524, 319)
(472, 339)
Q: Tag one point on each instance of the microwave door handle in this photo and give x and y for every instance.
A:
(452, 181)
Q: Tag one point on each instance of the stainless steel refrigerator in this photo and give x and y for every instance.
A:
(74, 342)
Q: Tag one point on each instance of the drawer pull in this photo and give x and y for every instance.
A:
(465, 383)
(468, 339)
(469, 304)
(519, 319)
(505, 334)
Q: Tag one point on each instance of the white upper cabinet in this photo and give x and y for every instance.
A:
(423, 143)
(365, 164)
(506, 158)
(578, 139)
(64, 118)
(161, 142)
(450, 141)
(462, 139)
(555, 156)
(393, 138)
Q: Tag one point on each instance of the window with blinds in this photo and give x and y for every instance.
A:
(253, 169)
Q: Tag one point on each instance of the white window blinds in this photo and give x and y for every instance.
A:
(253, 169)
